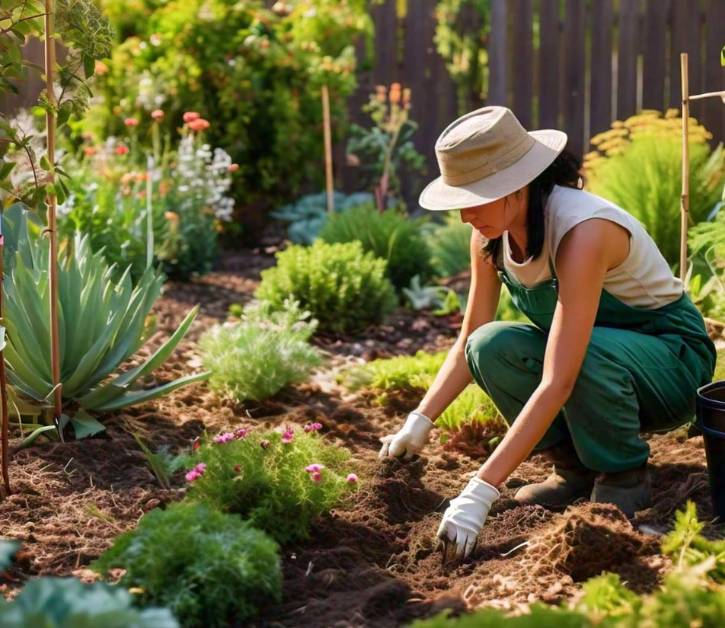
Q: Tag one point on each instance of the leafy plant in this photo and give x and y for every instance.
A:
(308, 215)
(423, 297)
(450, 247)
(261, 354)
(650, 146)
(390, 235)
(706, 276)
(8, 549)
(103, 323)
(68, 603)
(206, 566)
(279, 482)
(342, 287)
(414, 375)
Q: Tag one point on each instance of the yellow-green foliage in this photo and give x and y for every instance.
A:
(415, 374)
(344, 288)
(719, 366)
(637, 164)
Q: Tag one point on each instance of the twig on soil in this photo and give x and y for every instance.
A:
(517, 547)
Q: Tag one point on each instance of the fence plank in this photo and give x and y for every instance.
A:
(601, 67)
(549, 64)
(386, 69)
(655, 55)
(523, 60)
(713, 114)
(574, 75)
(627, 60)
(498, 54)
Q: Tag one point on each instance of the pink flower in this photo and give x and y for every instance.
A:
(198, 124)
(131, 122)
(190, 116)
(121, 149)
(233, 167)
(314, 468)
(264, 443)
(316, 477)
(225, 437)
(288, 435)
(241, 433)
(196, 472)
(351, 478)
(157, 114)
(313, 427)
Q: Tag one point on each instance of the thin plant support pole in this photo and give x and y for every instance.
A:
(51, 200)
(328, 149)
(149, 212)
(3, 381)
(685, 197)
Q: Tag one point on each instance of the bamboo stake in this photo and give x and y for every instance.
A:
(708, 95)
(149, 212)
(328, 149)
(3, 381)
(685, 197)
(51, 229)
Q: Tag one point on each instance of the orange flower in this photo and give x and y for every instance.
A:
(190, 116)
(157, 114)
(199, 124)
(121, 149)
(172, 217)
(89, 151)
(130, 122)
(233, 167)
(395, 93)
(100, 68)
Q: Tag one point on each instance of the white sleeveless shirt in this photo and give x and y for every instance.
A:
(644, 279)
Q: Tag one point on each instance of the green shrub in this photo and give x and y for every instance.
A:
(103, 323)
(307, 215)
(414, 375)
(261, 354)
(267, 478)
(719, 366)
(342, 287)
(707, 273)
(208, 567)
(68, 603)
(650, 146)
(389, 235)
(255, 73)
(450, 246)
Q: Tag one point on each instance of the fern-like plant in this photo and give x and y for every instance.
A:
(342, 286)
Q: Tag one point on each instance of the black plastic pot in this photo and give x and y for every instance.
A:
(711, 421)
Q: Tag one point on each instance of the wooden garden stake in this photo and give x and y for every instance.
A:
(51, 229)
(328, 148)
(3, 381)
(685, 197)
(149, 212)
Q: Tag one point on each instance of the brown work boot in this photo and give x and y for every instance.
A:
(629, 490)
(570, 480)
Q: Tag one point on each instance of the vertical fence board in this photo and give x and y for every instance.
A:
(498, 54)
(549, 60)
(627, 60)
(574, 75)
(655, 55)
(523, 60)
(385, 69)
(713, 114)
(601, 67)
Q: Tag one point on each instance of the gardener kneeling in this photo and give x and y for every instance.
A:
(616, 347)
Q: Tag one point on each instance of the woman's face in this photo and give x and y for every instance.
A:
(491, 219)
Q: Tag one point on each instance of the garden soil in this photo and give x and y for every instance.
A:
(374, 561)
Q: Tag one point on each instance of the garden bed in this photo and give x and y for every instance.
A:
(374, 561)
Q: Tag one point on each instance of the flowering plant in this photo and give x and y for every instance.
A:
(279, 480)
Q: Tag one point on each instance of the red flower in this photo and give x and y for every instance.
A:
(190, 116)
(199, 124)
(121, 149)
(131, 122)
(157, 114)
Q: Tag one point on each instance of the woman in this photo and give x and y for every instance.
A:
(616, 347)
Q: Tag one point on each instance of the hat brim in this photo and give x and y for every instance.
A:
(438, 196)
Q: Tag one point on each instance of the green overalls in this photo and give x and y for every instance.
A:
(640, 372)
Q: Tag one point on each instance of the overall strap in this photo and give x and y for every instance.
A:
(552, 270)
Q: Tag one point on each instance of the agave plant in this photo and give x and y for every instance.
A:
(103, 322)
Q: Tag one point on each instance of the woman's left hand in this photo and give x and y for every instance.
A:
(465, 516)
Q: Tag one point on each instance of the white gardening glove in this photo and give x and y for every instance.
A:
(409, 440)
(464, 518)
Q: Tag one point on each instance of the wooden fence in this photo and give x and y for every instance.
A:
(575, 65)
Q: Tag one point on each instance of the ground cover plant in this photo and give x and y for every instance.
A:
(413, 375)
(206, 566)
(651, 145)
(261, 353)
(344, 288)
(390, 235)
(103, 323)
(279, 481)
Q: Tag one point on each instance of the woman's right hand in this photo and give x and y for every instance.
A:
(409, 440)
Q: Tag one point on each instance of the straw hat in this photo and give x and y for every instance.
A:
(485, 155)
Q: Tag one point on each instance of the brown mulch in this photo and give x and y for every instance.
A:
(373, 561)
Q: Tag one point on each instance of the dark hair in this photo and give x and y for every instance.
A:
(564, 171)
